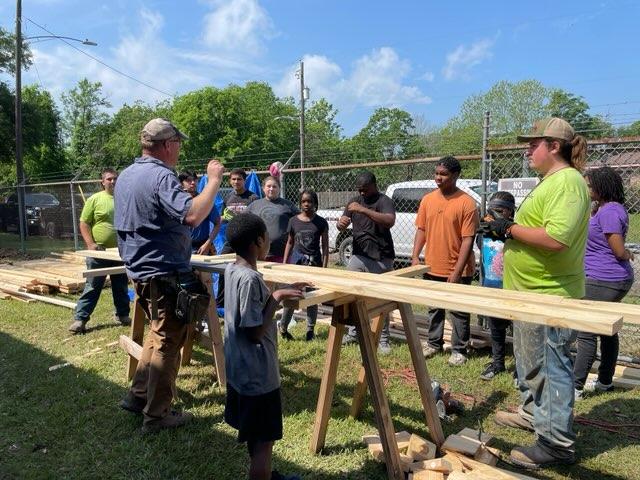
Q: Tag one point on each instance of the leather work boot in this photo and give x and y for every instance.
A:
(132, 404)
(78, 326)
(534, 457)
(513, 420)
(175, 419)
(125, 321)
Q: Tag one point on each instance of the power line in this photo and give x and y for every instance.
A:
(119, 72)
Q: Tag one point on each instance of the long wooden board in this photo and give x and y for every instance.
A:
(419, 292)
(630, 312)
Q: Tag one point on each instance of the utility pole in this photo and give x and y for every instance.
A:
(303, 92)
(18, 121)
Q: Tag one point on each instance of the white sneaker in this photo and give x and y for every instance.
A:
(578, 394)
(594, 384)
(456, 359)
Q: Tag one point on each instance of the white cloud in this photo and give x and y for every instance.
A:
(143, 55)
(377, 79)
(463, 59)
(428, 76)
(237, 25)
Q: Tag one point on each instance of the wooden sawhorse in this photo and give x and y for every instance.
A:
(133, 344)
(358, 310)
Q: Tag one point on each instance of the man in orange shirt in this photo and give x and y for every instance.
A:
(446, 224)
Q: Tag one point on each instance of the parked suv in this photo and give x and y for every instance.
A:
(406, 198)
(44, 214)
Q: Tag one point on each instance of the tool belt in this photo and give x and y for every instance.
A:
(192, 296)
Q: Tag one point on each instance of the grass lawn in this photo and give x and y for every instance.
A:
(65, 423)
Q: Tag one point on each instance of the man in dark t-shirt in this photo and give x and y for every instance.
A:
(234, 203)
(371, 215)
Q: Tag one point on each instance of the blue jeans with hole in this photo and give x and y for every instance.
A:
(92, 289)
(545, 377)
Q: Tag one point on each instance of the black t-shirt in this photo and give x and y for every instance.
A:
(234, 203)
(307, 236)
(369, 238)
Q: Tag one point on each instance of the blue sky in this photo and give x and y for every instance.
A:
(423, 56)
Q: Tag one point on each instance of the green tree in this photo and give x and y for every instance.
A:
(238, 124)
(323, 135)
(8, 53)
(43, 152)
(575, 110)
(632, 130)
(122, 133)
(84, 123)
(387, 135)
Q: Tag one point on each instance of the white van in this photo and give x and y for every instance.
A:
(406, 198)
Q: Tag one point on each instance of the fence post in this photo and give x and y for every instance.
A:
(485, 161)
(73, 214)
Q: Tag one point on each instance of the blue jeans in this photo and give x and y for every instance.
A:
(358, 263)
(89, 298)
(545, 375)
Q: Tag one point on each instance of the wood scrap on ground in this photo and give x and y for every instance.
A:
(417, 456)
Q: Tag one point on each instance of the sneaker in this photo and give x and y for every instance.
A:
(578, 394)
(348, 339)
(534, 457)
(594, 385)
(286, 335)
(513, 420)
(78, 326)
(491, 371)
(275, 475)
(175, 419)
(428, 351)
(125, 320)
(132, 404)
(457, 359)
(309, 336)
(384, 348)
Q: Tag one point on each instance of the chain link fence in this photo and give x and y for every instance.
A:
(52, 209)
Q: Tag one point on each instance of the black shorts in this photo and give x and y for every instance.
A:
(257, 418)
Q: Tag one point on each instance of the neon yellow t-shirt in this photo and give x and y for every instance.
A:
(98, 212)
(560, 204)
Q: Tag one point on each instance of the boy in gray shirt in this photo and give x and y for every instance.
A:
(253, 405)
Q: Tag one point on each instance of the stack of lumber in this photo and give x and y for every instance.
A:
(29, 280)
(466, 456)
(480, 338)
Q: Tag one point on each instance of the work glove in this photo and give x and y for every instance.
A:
(499, 227)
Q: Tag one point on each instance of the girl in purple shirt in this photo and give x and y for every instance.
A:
(609, 273)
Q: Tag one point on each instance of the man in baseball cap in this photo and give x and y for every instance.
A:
(160, 129)
(153, 214)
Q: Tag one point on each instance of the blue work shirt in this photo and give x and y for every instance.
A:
(150, 208)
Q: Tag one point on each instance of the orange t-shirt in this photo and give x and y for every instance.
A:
(446, 221)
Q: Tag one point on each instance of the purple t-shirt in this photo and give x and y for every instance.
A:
(599, 261)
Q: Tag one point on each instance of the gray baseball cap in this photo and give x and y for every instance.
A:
(161, 129)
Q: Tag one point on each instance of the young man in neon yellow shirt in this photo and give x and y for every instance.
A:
(96, 227)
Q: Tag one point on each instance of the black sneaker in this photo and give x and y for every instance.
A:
(286, 335)
(310, 335)
(491, 371)
(132, 404)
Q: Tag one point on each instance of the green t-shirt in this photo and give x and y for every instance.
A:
(560, 204)
(98, 212)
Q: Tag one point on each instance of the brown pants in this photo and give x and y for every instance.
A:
(155, 377)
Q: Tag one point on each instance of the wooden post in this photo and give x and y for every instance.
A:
(422, 375)
(361, 386)
(328, 382)
(378, 397)
(215, 333)
(137, 334)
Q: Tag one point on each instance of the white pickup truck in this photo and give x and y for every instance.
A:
(406, 197)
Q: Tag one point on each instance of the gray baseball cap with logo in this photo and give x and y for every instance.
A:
(161, 129)
(549, 128)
